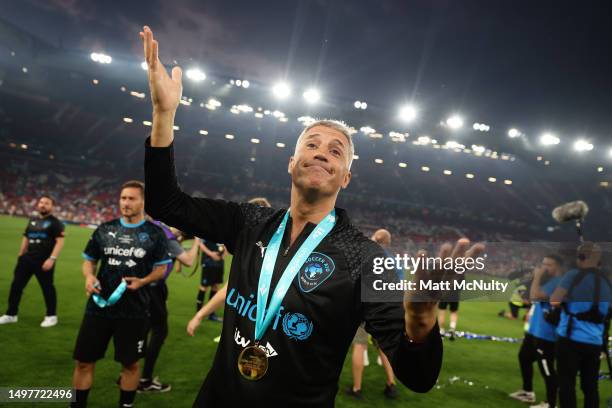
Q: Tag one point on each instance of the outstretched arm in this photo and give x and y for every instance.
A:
(165, 91)
(216, 220)
(212, 305)
(187, 257)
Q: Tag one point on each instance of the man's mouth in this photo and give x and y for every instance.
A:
(319, 166)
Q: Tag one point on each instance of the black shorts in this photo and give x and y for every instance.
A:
(211, 275)
(129, 338)
(453, 306)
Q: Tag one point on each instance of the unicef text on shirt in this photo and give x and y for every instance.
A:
(118, 251)
(412, 264)
(295, 325)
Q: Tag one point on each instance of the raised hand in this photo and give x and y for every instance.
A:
(421, 307)
(165, 90)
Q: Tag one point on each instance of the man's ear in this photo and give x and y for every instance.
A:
(291, 164)
(347, 179)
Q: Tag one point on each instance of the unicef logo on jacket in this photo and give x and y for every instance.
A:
(317, 268)
(297, 326)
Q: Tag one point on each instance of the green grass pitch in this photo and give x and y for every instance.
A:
(36, 357)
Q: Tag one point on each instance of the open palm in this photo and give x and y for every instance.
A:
(165, 90)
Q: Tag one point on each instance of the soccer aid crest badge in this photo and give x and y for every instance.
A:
(316, 270)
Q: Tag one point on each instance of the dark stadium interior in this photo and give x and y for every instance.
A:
(85, 135)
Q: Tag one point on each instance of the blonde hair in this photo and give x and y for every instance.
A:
(336, 125)
(260, 201)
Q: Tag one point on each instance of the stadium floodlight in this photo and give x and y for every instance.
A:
(549, 139)
(508, 182)
(454, 122)
(478, 149)
(144, 65)
(229, 137)
(281, 90)
(402, 165)
(599, 169)
(378, 161)
(423, 140)
(407, 113)
(367, 130)
(203, 132)
(147, 122)
(280, 145)
(128, 120)
(582, 145)
(195, 74)
(312, 95)
(469, 176)
(360, 105)
(424, 168)
(255, 140)
(492, 179)
(101, 58)
(481, 126)
(512, 133)
(245, 83)
(447, 172)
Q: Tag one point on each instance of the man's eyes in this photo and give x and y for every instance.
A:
(336, 152)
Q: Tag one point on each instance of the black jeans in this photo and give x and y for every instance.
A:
(574, 357)
(24, 270)
(542, 351)
(158, 327)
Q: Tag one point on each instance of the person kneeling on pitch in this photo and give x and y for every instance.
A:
(132, 253)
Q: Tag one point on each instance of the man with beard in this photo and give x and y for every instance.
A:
(41, 244)
(132, 253)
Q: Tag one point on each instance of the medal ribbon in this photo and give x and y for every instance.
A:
(113, 298)
(264, 316)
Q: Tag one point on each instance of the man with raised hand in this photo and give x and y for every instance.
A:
(294, 291)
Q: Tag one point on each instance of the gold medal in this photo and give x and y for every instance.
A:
(253, 363)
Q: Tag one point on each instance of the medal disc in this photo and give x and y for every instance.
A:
(253, 363)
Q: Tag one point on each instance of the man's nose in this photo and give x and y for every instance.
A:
(322, 157)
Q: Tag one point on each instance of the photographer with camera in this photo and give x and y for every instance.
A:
(586, 295)
(539, 342)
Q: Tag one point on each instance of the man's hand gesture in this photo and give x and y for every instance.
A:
(421, 306)
(165, 91)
